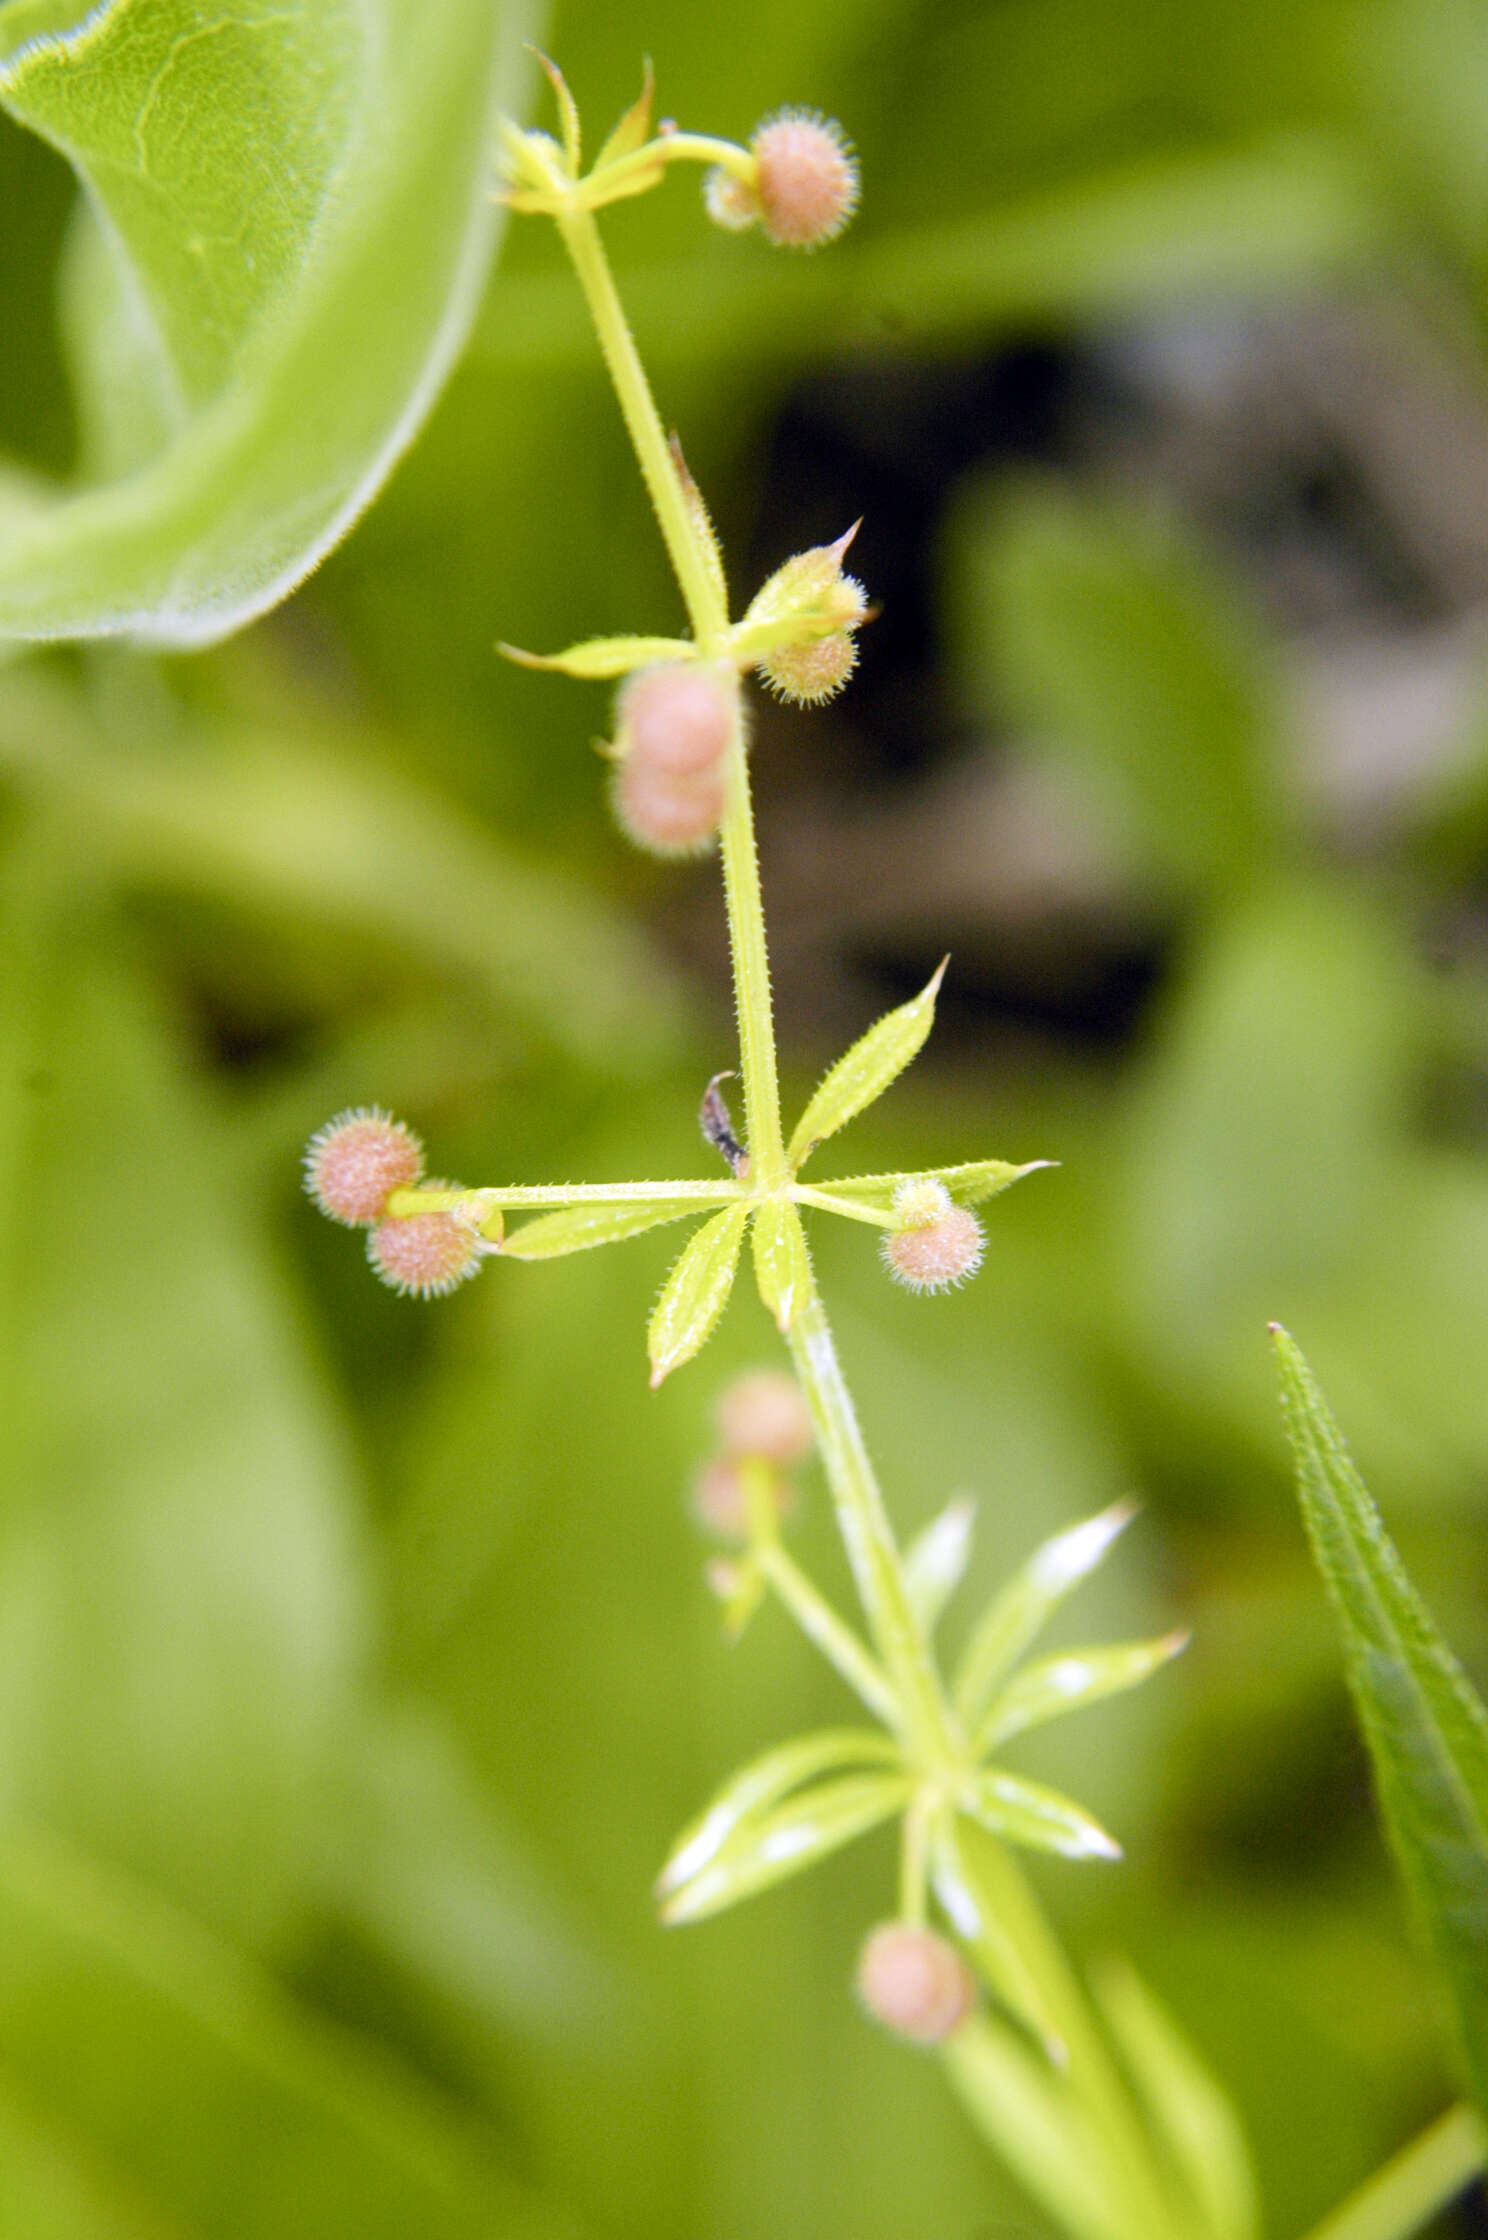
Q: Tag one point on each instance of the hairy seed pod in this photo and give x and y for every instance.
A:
(666, 814)
(676, 718)
(764, 1414)
(938, 1243)
(806, 178)
(356, 1161)
(425, 1255)
(811, 673)
(915, 1983)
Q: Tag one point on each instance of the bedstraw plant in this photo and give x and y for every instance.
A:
(1094, 2098)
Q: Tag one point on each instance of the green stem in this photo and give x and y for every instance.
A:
(822, 1626)
(1411, 2187)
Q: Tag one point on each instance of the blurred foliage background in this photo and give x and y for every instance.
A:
(355, 1667)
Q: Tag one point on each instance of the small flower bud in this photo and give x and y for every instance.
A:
(720, 1501)
(764, 1414)
(806, 178)
(356, 1161)
(667, 814)
(812, 673)
(425, 1254)
(915, 1983)
(677, 719)
(938, 1243)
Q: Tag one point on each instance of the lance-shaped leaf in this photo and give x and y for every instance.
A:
(1015, 1617)
(968, 1184)
(634, 128)
(1186, 2107)
(605, 657)
(795, 1835)
(960, 1874)
(1049, 2136)
(935, 1561)
(1052, 1686)
(781, 1263)
(1026, 1812)
(695, 1293)
(578, 1228)
(875, 1059)
(1425, 1725)
(263, 182)
(756, 1788)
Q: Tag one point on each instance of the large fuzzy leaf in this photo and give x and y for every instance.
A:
(285, 233)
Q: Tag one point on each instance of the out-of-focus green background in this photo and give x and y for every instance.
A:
(355, 1666)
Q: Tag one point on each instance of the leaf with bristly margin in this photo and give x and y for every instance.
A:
(695, 1293)
(1015, 1617)
(968, 1184)
(962, 1875)
(1055, 1685)
(1026, 1812)
(760, 1785)
(935, 1561)
(782, 1266)
(605, 657)
(875, 1059)
(262, 183)
(1425, 1725)
(799, 1832)
(578, 1228)
(1186, 2106)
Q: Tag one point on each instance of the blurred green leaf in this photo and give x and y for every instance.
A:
(1034, 2122)
(1052, 1686)
(782, 1264)
(751, 1792)
(605, 657)
(1187, 2108)
(1026, 1812)
(861, 1076)
(200, 2098)
(935, 1560)
(1020, 1610)
(784, 1842)
(1426, 1727)
(696, 1292)
(261, 188)
(183, 1580)
(958, 1860)
(1120, 647)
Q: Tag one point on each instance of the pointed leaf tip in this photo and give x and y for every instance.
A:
(861, 1076)
(695, 1293)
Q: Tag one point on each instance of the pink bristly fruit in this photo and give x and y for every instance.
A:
(915, 1983)
(356, 1161)
(425, 1255)
(937, 1245)
(764, 1414)
(806, 178)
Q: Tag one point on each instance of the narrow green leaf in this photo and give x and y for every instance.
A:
(1054, 1685)
(1018, 1613)
(577, 1228)
(968, 1185)
(634, 128)
(605, 657)
(755, 1788)
(1426, 1727)
(935, 1562)
(1038, 2126)
(568, 115)
(956, 1857)
(806, 1828)
(781, 1263)
(259, 192)
(695, 1293)
(1026, 1812)
(875, 1059)
(1188, 2109)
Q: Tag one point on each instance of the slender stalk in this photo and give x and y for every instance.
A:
(822, 1626)
(1412, 2186)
